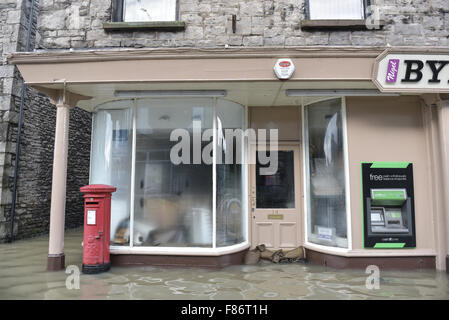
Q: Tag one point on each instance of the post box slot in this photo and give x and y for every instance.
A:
(91, 203)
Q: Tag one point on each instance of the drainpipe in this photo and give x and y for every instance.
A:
(19, 129)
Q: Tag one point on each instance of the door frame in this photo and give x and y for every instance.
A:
(298, 180)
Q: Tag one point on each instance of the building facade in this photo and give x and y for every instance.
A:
(34, 175)
(359, 100)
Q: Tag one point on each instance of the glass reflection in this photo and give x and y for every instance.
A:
(173, 203)
(111, 163)
(336, 9)
(149, 10)
(276, 191)
(326, 194)
(230, 176)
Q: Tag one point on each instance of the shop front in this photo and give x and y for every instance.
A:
(188, 137)
(173, 198)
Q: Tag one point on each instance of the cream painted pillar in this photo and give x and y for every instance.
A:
(64, 101)
(443, 126)
(436, 121)
(56, 257)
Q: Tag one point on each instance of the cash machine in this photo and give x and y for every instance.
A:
(388, 205)
(389, 211)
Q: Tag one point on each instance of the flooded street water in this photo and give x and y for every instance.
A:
(23, 276)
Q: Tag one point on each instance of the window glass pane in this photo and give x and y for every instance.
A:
(173, 202)
(277, 190)
(111, 163)
(149, 10)
(336, 9)
(231, 220)
(326, 200)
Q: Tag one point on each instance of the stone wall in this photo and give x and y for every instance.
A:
(36, 164)
(79, 24)
(36, 150)
(10, 25)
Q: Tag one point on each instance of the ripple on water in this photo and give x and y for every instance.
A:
(271, 295)
(190, 288)
(23, 276)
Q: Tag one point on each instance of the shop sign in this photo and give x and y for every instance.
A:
(412, 72)
(284, 69)
(325, 233)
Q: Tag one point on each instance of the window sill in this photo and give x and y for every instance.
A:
(150, 26)
(337, 25)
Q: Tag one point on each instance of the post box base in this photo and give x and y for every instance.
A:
(96, 268)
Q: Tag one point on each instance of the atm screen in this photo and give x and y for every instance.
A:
(377, 217)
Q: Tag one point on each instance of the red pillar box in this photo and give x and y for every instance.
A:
(97, 224)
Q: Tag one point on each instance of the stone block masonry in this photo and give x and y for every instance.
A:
(35, 166)
(260, 23)
(36, 157)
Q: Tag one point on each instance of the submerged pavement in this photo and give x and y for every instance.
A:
(23, 276)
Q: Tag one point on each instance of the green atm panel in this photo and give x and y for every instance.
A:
(388, 206)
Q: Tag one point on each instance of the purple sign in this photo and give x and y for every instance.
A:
(392, 71)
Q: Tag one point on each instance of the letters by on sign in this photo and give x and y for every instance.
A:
(414, 70)
(410, 72)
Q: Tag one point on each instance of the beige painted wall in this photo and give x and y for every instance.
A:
(286, 119)
(389, 129)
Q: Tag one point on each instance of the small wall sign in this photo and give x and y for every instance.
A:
(396, 71)
(284, 69)
(325, 233)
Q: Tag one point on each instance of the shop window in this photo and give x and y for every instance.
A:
(336, 9)
(231, 179)
(111, 163)
(172, 202)
(144, 10)
(325, 174)
(168, 203)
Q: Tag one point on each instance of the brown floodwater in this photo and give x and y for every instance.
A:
(23, 276)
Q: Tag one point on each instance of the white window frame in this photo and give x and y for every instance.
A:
(305, 155)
